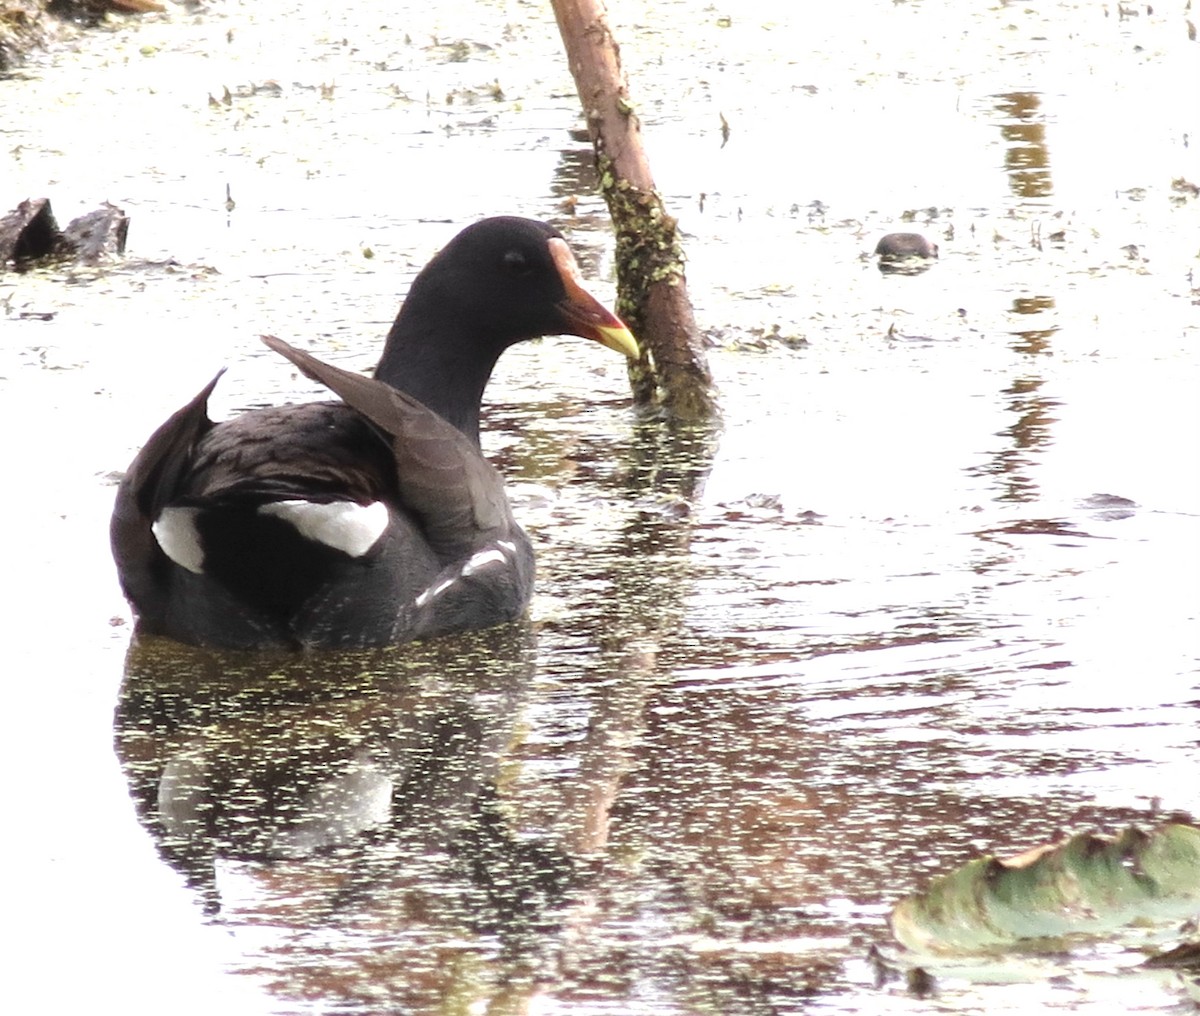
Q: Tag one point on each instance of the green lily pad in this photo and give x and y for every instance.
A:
(1088, 884)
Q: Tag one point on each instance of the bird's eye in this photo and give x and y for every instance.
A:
(515, 263)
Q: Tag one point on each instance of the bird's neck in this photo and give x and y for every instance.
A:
(441, 363)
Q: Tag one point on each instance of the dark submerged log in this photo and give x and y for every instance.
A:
(98, 233)
(30, 232)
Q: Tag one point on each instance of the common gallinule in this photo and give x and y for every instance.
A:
(368, 521)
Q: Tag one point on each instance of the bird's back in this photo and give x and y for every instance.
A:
(288, 527)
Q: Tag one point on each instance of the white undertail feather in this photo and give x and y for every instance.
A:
(175, 531)
(344, 525)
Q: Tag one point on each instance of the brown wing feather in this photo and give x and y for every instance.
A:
(440, 473)
(149, 484)
(311, 451)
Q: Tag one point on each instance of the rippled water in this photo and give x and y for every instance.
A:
(933, 593)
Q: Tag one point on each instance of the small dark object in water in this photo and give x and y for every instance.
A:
(905, 252)
(30, 231)
(1182, 957)
(98, 233)
(920, 983)
(906, 245)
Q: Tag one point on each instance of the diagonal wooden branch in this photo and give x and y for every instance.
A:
(651, 284)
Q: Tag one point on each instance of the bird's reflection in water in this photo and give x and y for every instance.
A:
(422, 828)
(348, 796)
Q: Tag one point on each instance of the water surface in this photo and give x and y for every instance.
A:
(933, 594)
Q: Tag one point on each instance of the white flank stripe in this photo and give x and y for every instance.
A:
(343, 525)
(433, 591)
(175, 531)
(482, 560)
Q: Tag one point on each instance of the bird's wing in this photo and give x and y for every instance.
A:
(149, 484)
(441, 475)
